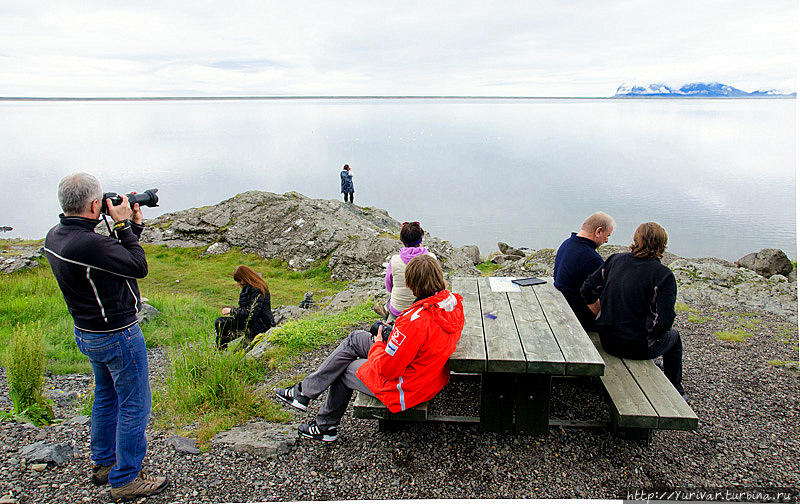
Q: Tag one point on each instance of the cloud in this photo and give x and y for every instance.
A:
(113, 48)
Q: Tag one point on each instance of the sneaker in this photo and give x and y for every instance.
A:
(293, 397)
(314, 431)
(380, 310)
(100, 474)
(143, 486)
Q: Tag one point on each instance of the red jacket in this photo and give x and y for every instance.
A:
(411, 367)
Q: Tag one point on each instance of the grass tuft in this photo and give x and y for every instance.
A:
(681, 307)
(737, 335)
(24, 360)
(487, 268)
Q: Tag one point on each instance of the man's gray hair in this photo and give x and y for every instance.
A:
(598, 220)
(77, 191)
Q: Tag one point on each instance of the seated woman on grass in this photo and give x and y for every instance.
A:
(401, 297)
(407, 369)
(254, 313)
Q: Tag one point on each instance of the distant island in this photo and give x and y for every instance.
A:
(696, 89)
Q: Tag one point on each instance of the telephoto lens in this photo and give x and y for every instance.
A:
(148, 198)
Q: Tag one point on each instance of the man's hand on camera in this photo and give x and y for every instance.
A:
(226, 311)
(138, 216)
(379, 337)
(119, 212)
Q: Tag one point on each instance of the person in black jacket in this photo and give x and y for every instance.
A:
(253, 315)
(97, 275)
(637, 303)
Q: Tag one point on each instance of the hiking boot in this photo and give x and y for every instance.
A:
(381, 310)
(143, 486)
(293, 397)
(314, 431)
(100, 474)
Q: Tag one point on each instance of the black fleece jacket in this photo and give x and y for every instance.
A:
(254, 313)
(97, 274)
(637, 303)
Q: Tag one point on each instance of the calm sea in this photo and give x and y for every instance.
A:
(719, 175)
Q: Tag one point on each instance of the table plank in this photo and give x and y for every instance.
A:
(673, 412)
(503, 347)
(541, 349)
(470, 353)
(579, 353)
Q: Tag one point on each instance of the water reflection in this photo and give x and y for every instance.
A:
(478, 171)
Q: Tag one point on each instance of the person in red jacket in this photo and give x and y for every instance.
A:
(409, 368)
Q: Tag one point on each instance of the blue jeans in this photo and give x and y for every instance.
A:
(121, 407)
(671, 348)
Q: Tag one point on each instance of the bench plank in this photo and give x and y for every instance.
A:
(470, 353)
(672, 410)
(503, 348)
(629, 405)
(366, 406)
(580, 355)
(541, 349)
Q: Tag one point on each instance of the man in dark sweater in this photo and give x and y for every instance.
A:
(576, 259)
(637, 303)
(97, 275)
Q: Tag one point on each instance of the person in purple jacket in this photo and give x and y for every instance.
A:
(401, 297)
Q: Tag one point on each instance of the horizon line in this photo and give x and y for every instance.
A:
(372, 97)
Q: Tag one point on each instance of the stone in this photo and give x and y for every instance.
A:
(84, 420)
(147, 313)
(261, 347)
(298, 230)
(18, 263)
(283, 314)
(792, 277)
(218, 248)
(183, 444)
(38, 467)
(262, 439)
(473, 253)
(44, 452)
(8, 499)
(508, 250)
(499, 259)
(358, 292)
(767, 262)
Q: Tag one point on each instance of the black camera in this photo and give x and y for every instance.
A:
(387, 328)
(148, 198)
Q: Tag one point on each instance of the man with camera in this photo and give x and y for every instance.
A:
(97, 275)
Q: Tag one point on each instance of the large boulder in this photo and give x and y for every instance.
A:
(262, 439)
(508, 250)
(47, 453)
(355, 241)
(767, 262)
(473, 253)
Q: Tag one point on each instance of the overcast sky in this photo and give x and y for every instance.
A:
(534, 48)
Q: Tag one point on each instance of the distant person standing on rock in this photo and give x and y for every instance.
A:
(347, 183)
(637, 303)
(401, 297)
(576, 259)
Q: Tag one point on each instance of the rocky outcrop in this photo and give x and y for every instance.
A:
(354, 241)
(473, 252)
(18, 259)
(767, 262)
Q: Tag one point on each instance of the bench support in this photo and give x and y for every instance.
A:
(533, 403)
(497, 402)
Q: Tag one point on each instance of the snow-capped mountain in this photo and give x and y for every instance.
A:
(701, 89)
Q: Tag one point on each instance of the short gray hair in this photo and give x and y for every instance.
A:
(598, 220)
(77, 191)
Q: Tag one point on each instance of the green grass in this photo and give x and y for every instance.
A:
(294, 338)
(205, 285)
(24, 362)
(487, 268)
(681, 307)
(736, 335)
(696, 319)
(208, 391)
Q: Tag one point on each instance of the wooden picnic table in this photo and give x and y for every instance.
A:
(518, 341)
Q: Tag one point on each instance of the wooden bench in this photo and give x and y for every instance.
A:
(641, 397)
(366, 406)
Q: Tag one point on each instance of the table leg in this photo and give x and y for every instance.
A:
(497, 402)
(533, 403)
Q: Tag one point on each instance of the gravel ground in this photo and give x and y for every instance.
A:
(749, 435)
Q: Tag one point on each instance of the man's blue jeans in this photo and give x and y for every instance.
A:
(121, 407)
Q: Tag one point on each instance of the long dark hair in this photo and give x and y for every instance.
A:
(249, 276)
